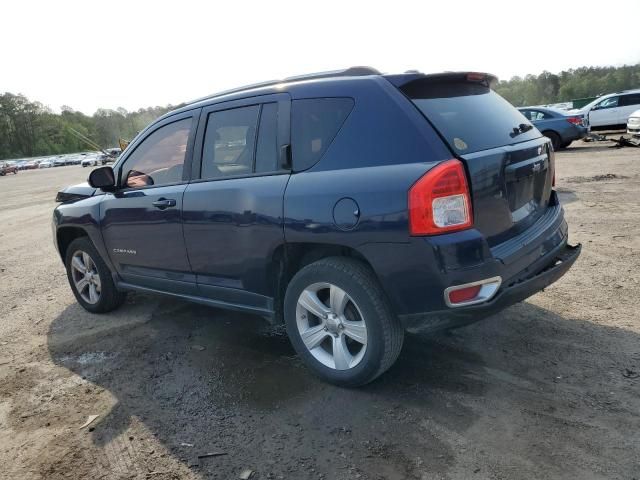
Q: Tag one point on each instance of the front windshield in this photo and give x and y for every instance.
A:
(592, 104)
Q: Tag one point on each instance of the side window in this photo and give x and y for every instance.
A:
(632, 99)
(229, 142)
(609, 103)
(159, 159)
(537, 115)
(267, 149)
(241, 141)
(527, 114)
(314, 124)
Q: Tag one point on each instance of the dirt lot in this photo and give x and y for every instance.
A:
(548, 389)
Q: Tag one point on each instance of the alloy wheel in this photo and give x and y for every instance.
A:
(86, 278)
(331, 326)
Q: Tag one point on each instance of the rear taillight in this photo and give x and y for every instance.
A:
(439, 201)
(575, 120)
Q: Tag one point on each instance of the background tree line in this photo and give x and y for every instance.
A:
(569, 85)
(30, 129)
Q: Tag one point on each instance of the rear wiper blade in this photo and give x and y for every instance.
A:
(523, 127)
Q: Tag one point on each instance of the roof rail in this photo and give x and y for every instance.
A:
(349, 72)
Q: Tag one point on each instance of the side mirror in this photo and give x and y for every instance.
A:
(103, 178)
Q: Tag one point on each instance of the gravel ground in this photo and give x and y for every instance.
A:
(549, 388)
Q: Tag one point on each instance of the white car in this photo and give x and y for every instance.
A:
(633, 124)
(90, 161)
(612, 109)
(46, 164)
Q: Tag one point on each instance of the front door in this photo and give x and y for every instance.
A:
(233, 218)
(142, 221)
(605, 113)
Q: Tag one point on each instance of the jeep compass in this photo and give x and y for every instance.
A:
(348, 205)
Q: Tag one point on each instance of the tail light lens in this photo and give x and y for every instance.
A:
(575, 120)
(439, 201)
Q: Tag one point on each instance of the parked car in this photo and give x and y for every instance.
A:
(47, 163)
(6, 167)
(560, 127)
(633, 124)
(31, 165)
(349, 205)
(60, 161)
(113, 154)
(611, 111)
(90, 160)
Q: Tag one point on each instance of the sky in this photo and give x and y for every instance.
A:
(132, 54)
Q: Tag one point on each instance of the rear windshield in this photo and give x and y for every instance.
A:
(470, 116)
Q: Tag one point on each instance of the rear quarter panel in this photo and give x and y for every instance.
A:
(383, 147)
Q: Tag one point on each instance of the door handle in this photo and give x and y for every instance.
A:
(163, 203)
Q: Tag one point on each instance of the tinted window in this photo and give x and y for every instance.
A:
(159, 159)
(267, 150)
(229, 142)
(314, 124)
(470, 116)
(633, 99)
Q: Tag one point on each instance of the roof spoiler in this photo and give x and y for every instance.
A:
(401, 80)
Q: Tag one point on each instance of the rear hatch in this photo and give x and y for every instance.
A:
(509, 163)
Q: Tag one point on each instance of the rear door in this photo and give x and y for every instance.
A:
(233, 218)
(509, 163)
(142, 222)
(629, 103)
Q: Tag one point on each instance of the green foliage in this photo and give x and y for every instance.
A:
(30, 129)
(569, 85)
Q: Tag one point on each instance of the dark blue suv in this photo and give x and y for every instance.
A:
(349, 205)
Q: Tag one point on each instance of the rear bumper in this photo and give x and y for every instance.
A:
(416, 275)
(548, 270)
(575, 133)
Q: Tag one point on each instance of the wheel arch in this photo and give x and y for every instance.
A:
(290, 258)
(67, 234)
(553, 132)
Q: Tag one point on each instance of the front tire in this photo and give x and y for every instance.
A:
(90, 278)
(340, 322)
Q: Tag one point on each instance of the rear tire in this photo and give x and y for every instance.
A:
(555, 139)
(351, 334)
(90, 278)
